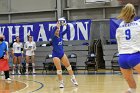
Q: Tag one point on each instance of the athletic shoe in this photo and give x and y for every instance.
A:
(9, 79)
(26, 73)
(13, 73)
(34, 72)
(2, 73)
(129, 91)
(19, 72)
(74, 82)
(61, 84)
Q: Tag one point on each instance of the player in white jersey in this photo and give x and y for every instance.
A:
(128, 40)
(30, 47)
(17, 51)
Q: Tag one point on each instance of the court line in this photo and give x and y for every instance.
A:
(42, 85)
(27, 85)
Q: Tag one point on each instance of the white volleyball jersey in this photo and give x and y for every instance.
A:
(17, 47)
(30, 47)
(128, 37)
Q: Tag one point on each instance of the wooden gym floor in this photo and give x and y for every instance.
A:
(88, 83)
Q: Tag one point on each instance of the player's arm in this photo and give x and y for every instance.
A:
(13, 48)
(6, 56)
(22, 50)
(26, 47)
(34, 46)
(54, 29)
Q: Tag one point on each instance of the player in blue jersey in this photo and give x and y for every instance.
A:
(4, 55)
(58, 52)
(128, 40)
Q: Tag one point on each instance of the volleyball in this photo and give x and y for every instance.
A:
(62, 21)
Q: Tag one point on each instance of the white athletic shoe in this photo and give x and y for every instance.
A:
(74, 82)
(9, 79)
(26, 73)
(13, 72)
(34, 72)
(129, 91)
(61, 84)
(19, 72)
(2, 73)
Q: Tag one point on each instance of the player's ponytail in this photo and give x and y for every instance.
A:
(127, 13)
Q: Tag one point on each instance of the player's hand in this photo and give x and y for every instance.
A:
(58, 25)
(6, 57)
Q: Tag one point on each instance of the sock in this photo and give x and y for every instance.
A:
(33, 64)
(132, 90)
(61, 81)
(13, 67)
(27, 67)
(73, 76)
(18, 66)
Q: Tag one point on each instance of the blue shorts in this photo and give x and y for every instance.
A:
(59, 55)
(17, 54)
(127, 61)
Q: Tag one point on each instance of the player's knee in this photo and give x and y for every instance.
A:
(69, 67)
(59, 72)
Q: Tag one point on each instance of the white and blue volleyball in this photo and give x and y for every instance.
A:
(62, 21)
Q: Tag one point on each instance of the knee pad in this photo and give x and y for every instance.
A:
(69, 67)
(59, 72)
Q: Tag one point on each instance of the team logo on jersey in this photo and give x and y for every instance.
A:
(30, 46)
(60, 43)
(18, 48)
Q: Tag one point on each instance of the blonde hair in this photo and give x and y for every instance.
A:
(127, 13)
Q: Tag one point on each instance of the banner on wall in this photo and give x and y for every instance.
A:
(114, 24)
(78, 30)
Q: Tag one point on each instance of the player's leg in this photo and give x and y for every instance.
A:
(66, 63)
(19, 62)
(137, 68)
(128, 75)
(27, 63)
(33, 63)
(14, 64)
(59, 71)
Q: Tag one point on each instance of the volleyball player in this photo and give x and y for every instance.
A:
(4, 56)
(128, 39)
(58, 52)
(2, 72)
(30, 47)
(17, 50)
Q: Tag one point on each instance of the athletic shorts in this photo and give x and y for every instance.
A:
(17, 54)
(59, 55)
(127, 61)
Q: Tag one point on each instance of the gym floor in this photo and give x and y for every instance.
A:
(88, 83)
